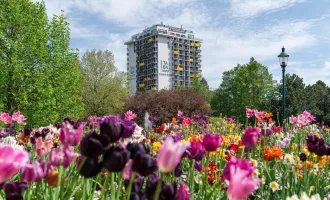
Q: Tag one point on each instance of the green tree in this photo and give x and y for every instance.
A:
(39, 73)
(249, 85)
(201, 86)
(105, 88)
(318, 101)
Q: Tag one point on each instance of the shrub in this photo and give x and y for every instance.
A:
(165, 104)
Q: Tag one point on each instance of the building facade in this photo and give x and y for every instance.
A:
(163, 57)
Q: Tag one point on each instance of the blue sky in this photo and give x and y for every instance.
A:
(232, 30)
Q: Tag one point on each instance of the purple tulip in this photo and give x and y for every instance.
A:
(35, 171)
(268, 132)
(112, 127)
(90, 168)
(115, 159)
(144, 164)
(15, 190)
(211, 141)
(93, 144)
(129, 127)
(196, 151)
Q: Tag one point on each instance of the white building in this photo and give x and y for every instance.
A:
(163, 57)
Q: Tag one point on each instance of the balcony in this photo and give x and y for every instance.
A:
(153, 88)
(197, 44)
(179, 68)
(141, 64)
(191, 60)
(176, 52)
(141, 85)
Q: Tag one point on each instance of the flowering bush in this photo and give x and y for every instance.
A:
(189, 158)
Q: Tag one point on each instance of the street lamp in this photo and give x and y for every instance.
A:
(283, 58)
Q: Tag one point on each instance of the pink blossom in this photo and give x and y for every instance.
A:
(241, 185)
(211, 141)
(69, 135)
(250, 137)
(93, 119)
(63, 155)
(249, 112)
(11, 161)
(293, 119)
(169, 154)
(18, 117)
(242, 164)
(5, 117)
(35, 171)
(129, 115)
(180, 113)
(258, 114)
(182, 193)
(43, 147)
(127, 171)
(186, 121)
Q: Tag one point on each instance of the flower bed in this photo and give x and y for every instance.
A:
(190, 158)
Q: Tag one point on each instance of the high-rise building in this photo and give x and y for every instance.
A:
(163, 57)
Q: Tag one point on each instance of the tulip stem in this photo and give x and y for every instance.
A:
(120, 185)
(105, 187)
(129, 188)
(159, 185)
(59, 179)
(113, 196)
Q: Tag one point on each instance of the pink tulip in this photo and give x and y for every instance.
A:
(242, 164)
(180, 113)
(129, 115)
(43, 147)
(127, 171)
(249, 112)
(63, 155)
(250, 137)
(5, 117)
(169, 154)
(241, 185)
(35, 171)
(211, 141)
(11, 161)
(69, 135)
(258, 114)
(18, 117)
(182, 193)
(186, 121)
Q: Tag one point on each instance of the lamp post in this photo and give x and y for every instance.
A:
(283, 58)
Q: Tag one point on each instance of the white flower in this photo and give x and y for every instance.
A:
(10, 141)
(274, 186)
(288, 159)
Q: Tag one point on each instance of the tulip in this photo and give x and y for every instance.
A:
(135, 148)
(268, 132)
(249, 112)
(11, 161)
(169, 154)
(69, 135)
(129, 115)
(211, 141)
(52, 179)
(196, 151)
(198, 166)
(144, 164)
(182, 193)
(15, 190)
(137, 184)
(90, 168)
(127, 171)
(129, 128)
(5, 117)
(18, 117)
(112, 127)
(115, 159)
(250, 138)
(93, 144)
(63, 155)
(35, 171)
(168, 191)
(43, 147)
(242, 164)
(241, 185)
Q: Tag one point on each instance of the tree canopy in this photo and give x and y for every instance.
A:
(105, 88)
(39, 73)
(249, 85)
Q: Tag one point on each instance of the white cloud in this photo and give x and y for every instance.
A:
(311, 74)
(250, 8)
